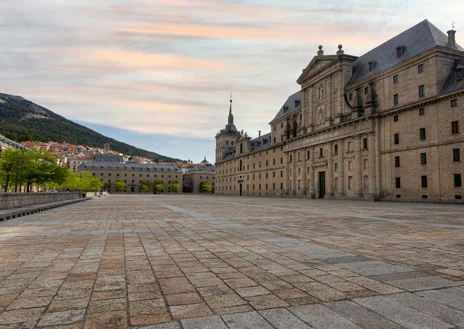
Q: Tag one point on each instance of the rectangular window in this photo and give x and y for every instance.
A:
(350, 182)
(457, 180)
(365, 143)
(397, 139)
(422, 133)
(290, 158)
(395, 99)
(455, 127)
(421, 111)
(423, 158)
(454, 102)
(395, 118)
(421, 91)
(321, 152)
(366, 90)
(307, 155)
(395, 79)
(420, 68)
(398, 182)
(424, 181)
(336, 149)
(456, 155)
(350, 97)
(397, 161)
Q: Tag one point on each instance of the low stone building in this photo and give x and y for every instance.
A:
(132, 174)
(196, 176)
(385, 125)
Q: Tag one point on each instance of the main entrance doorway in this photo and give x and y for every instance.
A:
(321, 184)
(241, 189)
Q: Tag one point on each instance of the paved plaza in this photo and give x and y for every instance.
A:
(186, 261)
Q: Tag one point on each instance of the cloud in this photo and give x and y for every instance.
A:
(168, 67)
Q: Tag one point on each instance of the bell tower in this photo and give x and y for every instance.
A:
(226, 138)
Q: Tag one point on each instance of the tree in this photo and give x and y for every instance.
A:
(175, 187)
(120, 185)
(90, 183)
(205, 187)
(159, 186)
(8, 165)
(144, 186)
(73, 181)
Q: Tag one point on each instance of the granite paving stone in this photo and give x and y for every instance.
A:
(283, 319)
(246, 320)
(361, 316)
(210, 322)
(428, 306)
(401, 314)
(321, 317)
(155, 260)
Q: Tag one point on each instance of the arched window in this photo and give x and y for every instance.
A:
(321, 91)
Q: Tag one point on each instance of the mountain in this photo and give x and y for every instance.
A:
(22, 120)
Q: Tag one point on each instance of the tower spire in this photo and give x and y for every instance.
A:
(231, 117)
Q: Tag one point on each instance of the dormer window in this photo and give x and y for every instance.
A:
(297, 103)
(460, 73)
(285, 109)
(400, 51)
(371, 65)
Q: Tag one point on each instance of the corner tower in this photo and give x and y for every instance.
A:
(225, 139)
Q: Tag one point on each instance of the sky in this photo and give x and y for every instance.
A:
(158, 74)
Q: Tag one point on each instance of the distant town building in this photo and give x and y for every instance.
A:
(6, 143)
(133, 174)
(204, 172)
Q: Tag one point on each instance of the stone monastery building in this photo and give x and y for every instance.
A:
(386, 125)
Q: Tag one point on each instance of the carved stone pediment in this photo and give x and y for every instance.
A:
(316, 64)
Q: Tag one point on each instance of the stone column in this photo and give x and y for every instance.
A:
(330, 171)
(372, 166)
(294, 179)
(286, 175)
(304, 109)
(341, 169)
(304, 176)
(311, 173)
(357, 167)
(329, 98)
(341, 100)
(310, 109)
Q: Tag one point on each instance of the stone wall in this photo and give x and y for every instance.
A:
(18, 200)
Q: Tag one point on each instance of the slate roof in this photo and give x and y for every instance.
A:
(290, 105)
(415, 40)
(451, 84)
(229, 155)
(261, 143)
(203, 169)
(129, 166)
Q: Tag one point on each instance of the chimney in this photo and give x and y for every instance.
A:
(259, 133)
(452, 39)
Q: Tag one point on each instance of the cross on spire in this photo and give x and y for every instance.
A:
(452, 25)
